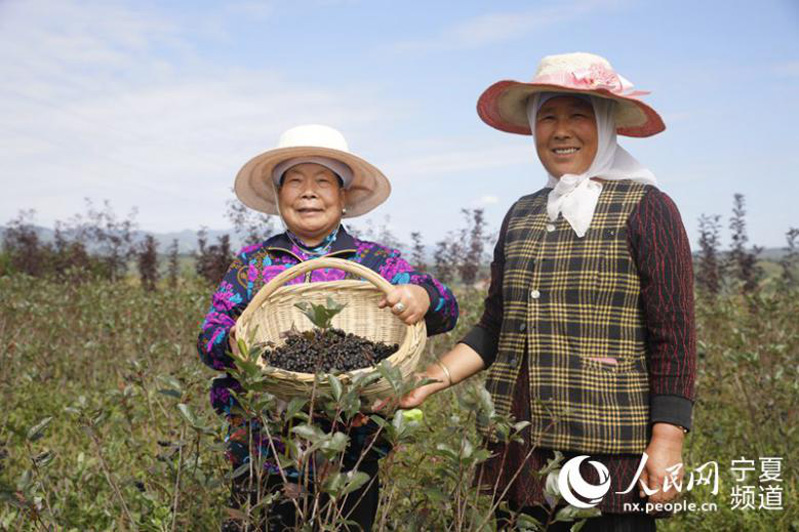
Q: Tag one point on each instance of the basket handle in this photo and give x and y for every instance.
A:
(317, 264)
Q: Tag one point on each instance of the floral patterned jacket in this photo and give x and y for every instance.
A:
(255, 265)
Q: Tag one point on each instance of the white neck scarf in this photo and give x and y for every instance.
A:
(576, 195)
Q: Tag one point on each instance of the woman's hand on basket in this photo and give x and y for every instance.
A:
(408, 301)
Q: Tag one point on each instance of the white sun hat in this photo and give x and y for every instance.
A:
(367, 188)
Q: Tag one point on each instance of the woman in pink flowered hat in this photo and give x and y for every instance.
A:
(588, 327)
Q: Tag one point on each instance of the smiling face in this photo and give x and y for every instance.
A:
(311, 199)
(566, 135)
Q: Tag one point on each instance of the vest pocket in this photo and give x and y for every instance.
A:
(614, 404)
(608, 364)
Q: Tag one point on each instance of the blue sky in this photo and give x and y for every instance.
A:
(157, 104)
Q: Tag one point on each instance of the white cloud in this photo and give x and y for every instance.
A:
(485, 30)
(105, 101)
(250, 8)
(488, 200)
(452, 161)
(789, 69)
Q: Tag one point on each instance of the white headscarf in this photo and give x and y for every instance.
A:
(576, 195)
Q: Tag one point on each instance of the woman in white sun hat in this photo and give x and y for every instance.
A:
(312, 181)
(588, 328)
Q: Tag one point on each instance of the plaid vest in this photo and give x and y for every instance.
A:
(568, 301)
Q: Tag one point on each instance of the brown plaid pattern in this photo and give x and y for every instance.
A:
(567, 300)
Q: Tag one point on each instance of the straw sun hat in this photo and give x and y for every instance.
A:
(255, 188)
(504, 104)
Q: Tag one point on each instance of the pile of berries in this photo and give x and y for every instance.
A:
(325, 350)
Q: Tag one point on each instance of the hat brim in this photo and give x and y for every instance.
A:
(504, 106)
(368, 189)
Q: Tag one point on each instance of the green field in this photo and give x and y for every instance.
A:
(93, 435)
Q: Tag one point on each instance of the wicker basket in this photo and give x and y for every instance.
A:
(272, 312)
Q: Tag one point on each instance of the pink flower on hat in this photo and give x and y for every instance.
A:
(598, 77)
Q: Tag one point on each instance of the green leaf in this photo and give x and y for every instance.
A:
(98, 416)
(576, 527)
(334, 306)
(552, 464)
(309, 311)
(241, 470)
(399, 421)
(435, 494)
(335, 387)
(355, 481)
(36, 432)
(171, 382)
(520, 426)
(527, 522)
(308, 432)
(44, 458)
(391, 374)
(502, 432)
(480, 456)
(333, 484)
(295, 405)
(447, 451)
(337, 443)
(24, 481)
(362, 380)
(466, 448)
(286, 462)
(551, 487)
(571, 513)
(188, 414)
(379, 421)
(320, 315)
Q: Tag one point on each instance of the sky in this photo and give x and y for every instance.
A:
(156, 105)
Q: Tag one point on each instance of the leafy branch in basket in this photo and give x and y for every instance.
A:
(321, 315)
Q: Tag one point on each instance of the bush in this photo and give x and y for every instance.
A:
(106, 423)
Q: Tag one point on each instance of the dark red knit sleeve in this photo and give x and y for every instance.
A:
(484, 336)
(660, 248)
